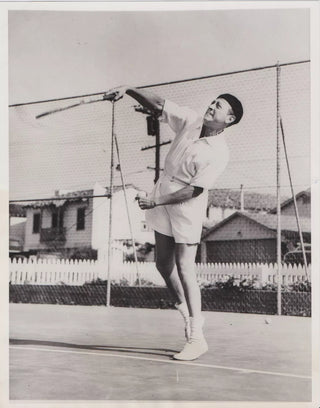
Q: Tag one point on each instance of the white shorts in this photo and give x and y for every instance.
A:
(181, 221)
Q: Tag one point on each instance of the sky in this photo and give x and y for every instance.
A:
(56, 54)
(64, 53)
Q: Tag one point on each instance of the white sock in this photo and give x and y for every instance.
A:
(196, 327)
(184, 311)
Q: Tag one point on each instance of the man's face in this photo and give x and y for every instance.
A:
(218, 115)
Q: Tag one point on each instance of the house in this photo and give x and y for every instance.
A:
(59, 226)
(303, 199)
(224, 202)
(17, 223)
(121, 227)
(250, 237)
(76, 224)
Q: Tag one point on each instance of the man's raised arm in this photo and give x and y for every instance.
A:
(146, 98)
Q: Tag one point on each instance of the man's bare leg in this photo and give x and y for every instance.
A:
(165, 262)
(185, 258)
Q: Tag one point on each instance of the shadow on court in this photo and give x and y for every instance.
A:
(96, 353)
(133, 350)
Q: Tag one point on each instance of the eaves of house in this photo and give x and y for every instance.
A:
(269, 221)
(60, 199)
(285, 203)
(75, 196)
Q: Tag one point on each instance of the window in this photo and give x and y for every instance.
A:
(54, 222)
(61, 220)
(81, 219)
(36, 223)
(57, 219)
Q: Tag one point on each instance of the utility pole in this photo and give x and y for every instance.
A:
(153, 129)
(157, 161)
(241, 198)
(279, 259)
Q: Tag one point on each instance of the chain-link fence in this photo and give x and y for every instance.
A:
(60, 168)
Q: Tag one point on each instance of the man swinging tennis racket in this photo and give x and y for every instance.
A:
(176, 207)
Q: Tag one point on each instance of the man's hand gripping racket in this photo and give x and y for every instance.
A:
(144, 202)
(115, 94)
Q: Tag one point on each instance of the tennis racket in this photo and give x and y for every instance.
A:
(105, 97)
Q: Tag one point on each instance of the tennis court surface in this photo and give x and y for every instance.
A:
(96, 353)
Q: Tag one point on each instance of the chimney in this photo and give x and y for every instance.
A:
(56, 193)
(241, 198)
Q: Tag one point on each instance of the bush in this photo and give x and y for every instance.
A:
(122, 282)
(304, 286)
(97, 281)
(270, 286)
(142, 251)
(144, 282)
(83, 253)
(249, 284)
(301, 286)
(231, 283)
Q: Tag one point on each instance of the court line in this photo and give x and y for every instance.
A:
(242, 370)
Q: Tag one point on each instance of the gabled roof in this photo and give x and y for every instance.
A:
(72, 196)
(304, 193)
(79, 193)
(228, 198)
(288, 222)
(120, 188)
(69, 197)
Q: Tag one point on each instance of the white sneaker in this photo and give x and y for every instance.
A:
(192, 350)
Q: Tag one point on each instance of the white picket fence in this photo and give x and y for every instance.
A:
(68, 272)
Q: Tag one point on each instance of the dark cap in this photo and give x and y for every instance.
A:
(235, 105)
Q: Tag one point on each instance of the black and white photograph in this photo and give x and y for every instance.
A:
(162, 209)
